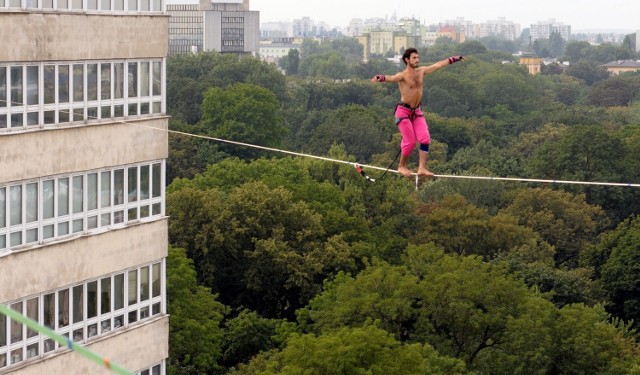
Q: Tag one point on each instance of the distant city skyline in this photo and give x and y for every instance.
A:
(588, 15)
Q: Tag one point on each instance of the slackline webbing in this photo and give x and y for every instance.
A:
(64, 340)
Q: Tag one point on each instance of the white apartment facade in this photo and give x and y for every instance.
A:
(226, 26)
(544, 29)
(83, 148)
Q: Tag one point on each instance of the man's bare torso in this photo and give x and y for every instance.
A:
(411, 86)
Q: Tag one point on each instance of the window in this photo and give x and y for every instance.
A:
(49, 78)
(63, 84)
(105, 80)
(133, 79)
(16, 86)
(3, 87)
(92, 82)
(78, 303)
(111, 304)
(78, 83)
(51, 208)
(32, 85)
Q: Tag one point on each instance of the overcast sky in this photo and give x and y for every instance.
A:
(623, 15)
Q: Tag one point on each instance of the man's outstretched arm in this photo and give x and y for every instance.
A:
(441, 64)
(383, 78)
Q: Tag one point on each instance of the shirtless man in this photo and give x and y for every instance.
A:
(409, 117)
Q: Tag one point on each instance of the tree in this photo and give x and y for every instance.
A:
(246, 335)
(589, 72)
(291, 63)
(470, 310)
(355, 126)
(267, 251)
(567, 159)
(557, 44)
(618, 90)
(471, 47)
(462, 228)
(195, 333)
(507, 89)
(576, 51)
(360, 350)
(484, 155)
(243, 113)
(189, 76)
(620, 273)
(564, 220)
(585, 343)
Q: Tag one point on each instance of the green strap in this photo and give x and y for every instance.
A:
(63, 340)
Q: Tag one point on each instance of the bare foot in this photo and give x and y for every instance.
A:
(404, 171)
(424, 172)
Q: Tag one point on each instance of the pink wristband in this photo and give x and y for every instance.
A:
(380, 77)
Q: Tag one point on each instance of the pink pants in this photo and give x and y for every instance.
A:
(413, 127)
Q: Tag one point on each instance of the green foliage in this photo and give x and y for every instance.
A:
(246, 335)
(372, 270)
(244, 113)
(620, 272)
(454, 132)
(473, 311)
(195, 333)
(234, 228)
(189, 76)
(562, 219)
(361, 350)
(585, 153)
(356, 127)
(589, 72)
(189, 156)
(291, 63)
(488, 158)
(618, 90)
(462, 228)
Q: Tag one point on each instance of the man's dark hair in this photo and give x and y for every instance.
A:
(407, 54)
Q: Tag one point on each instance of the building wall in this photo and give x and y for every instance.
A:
(620, 70)
(54, 36)
(78, 148)
(251, 31)
(246, 31)
(148, 341)
(81, 258)
(126, 50)
(186, 23)
(212, 40)
(533, 64)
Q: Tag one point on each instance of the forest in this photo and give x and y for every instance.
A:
(282, 264)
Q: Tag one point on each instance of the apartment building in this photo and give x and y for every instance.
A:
(544, 29)
(226, 26)
(83, 148)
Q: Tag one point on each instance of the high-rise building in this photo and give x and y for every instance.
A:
(544, 29)
(226, 26)
(83, 144)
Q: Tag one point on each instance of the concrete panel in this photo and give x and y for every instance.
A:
(43, 268)
(135, 349)
(212, 31)
(32, 154)
(40, 36)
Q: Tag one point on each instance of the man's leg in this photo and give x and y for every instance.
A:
(422, 162)
(402, 166)
(408, 141)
